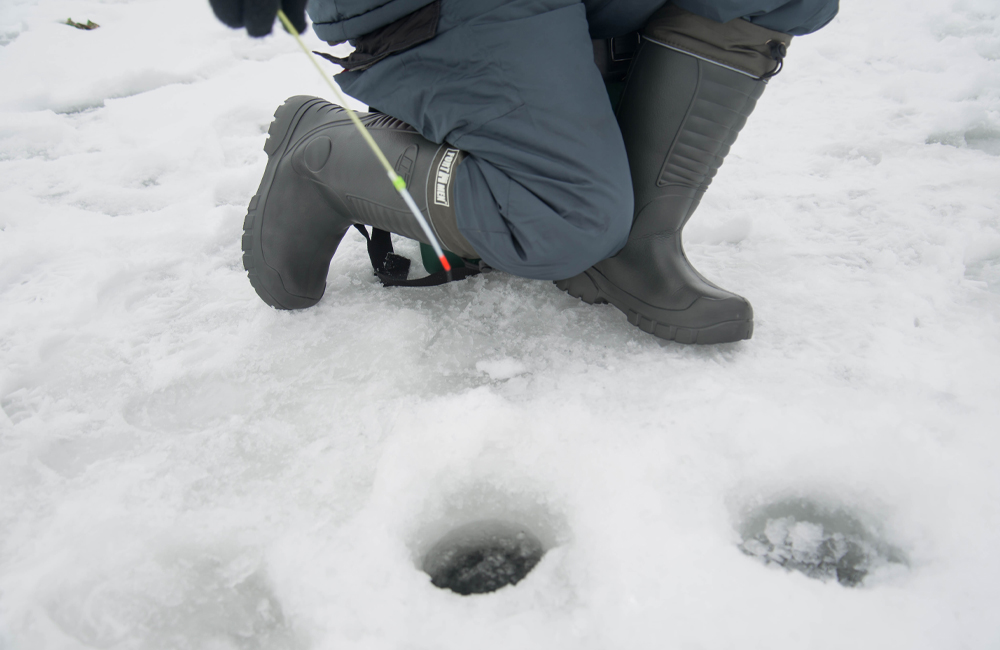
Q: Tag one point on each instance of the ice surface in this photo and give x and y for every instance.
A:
(183, 467)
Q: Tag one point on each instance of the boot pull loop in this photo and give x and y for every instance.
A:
(777, 50)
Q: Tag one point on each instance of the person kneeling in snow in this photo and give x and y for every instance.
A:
(497, 117)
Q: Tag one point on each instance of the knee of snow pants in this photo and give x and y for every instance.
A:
(546, 190)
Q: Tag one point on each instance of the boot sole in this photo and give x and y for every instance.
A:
(265, 280)
(593, 288)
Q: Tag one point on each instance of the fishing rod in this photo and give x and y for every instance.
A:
(394, 178)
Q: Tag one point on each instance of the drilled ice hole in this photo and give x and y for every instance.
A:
(483, 556)
(820, 542)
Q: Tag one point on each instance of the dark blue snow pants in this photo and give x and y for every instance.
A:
(546, 190)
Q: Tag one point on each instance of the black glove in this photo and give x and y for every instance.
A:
(258, 15)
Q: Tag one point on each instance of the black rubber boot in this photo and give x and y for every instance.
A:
(321, 178)
(679, 115)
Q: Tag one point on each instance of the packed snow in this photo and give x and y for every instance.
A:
(183, 467)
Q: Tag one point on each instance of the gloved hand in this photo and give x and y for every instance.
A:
(258, 15)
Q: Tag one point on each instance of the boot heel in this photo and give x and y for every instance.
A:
(266, 281)
(286, 117)
(582, 287)
(262, 278)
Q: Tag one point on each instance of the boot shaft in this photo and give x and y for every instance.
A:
(692, 86)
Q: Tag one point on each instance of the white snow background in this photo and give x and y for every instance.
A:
(184, 467)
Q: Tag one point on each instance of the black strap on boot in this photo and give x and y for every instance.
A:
(778, 50)
(392, 270)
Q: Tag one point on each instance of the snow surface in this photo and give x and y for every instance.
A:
(183, 467)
